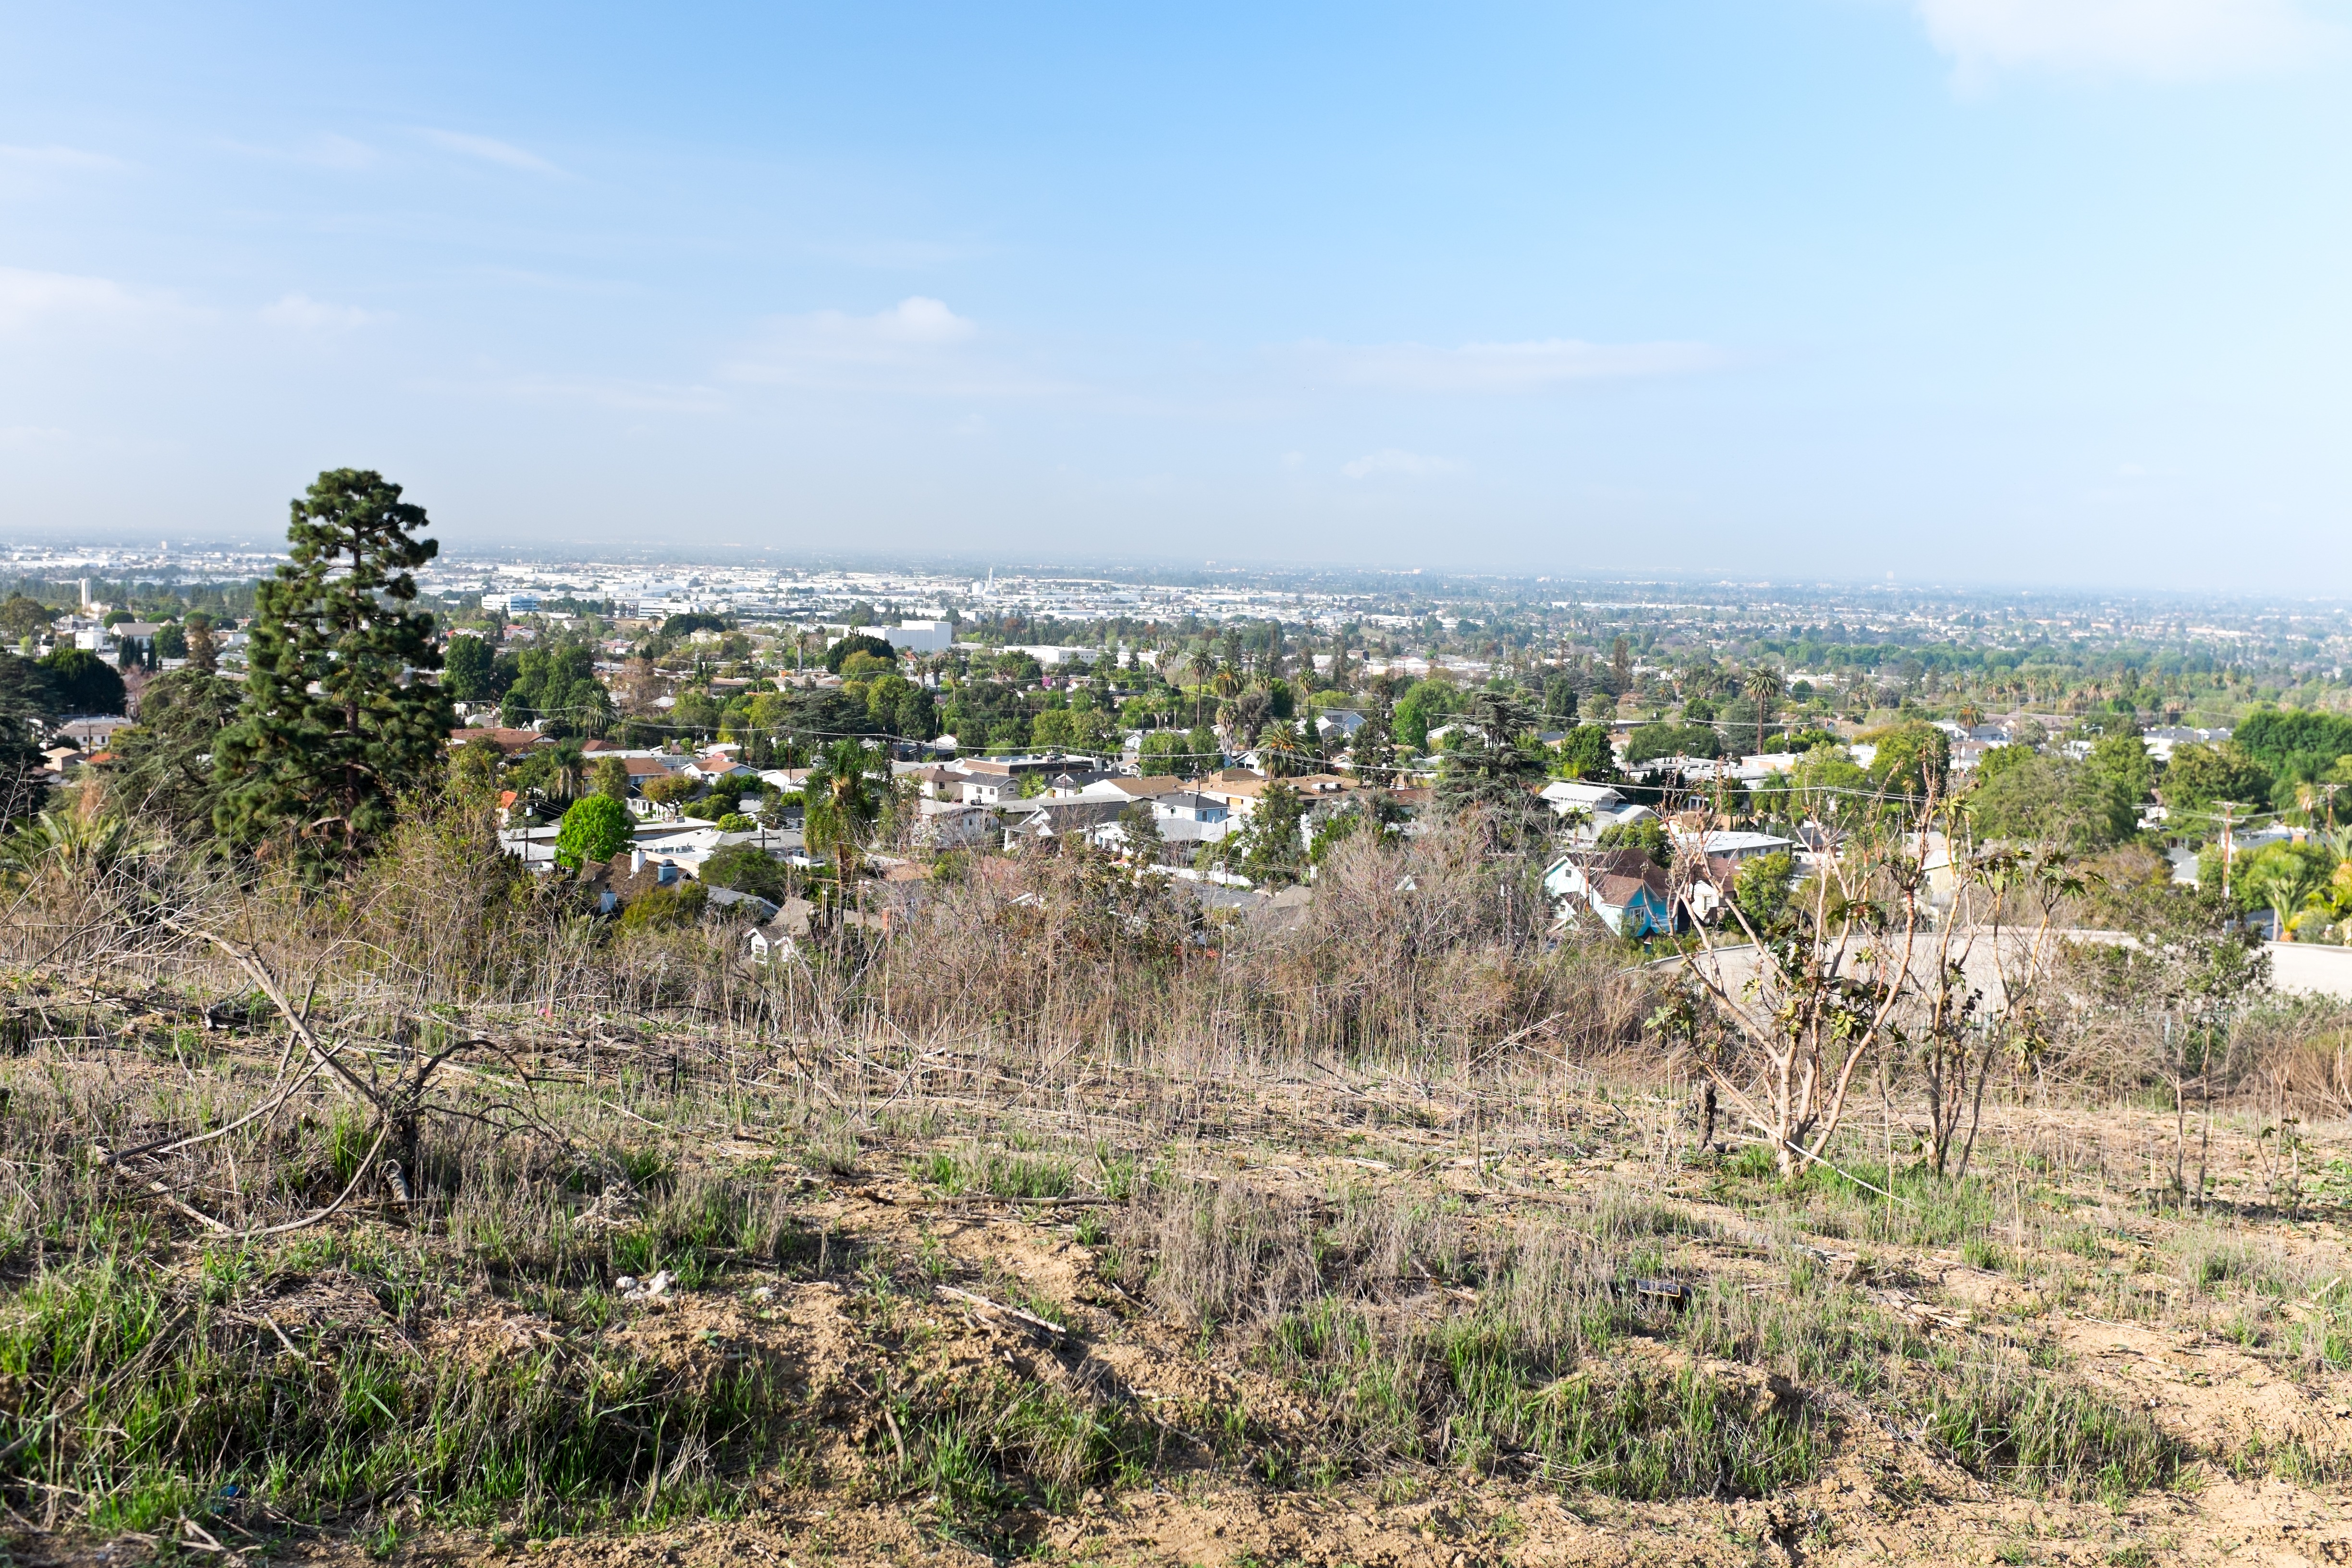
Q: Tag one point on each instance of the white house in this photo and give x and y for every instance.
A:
(1343, 721)
(1729, 845)
(1602, 806)
(952, 825)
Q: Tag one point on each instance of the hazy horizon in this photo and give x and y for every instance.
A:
(1810, 290)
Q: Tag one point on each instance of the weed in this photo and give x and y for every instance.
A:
(2042, 1432)
(1978, 1252)
(145, 1403)
(996, 1174)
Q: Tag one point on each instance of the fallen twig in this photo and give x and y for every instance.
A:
(1032, 1319)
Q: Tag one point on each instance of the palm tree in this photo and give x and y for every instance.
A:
(1763, 685)
(1279, 752)
(843, 800)
(82, 842)
(571, 769)
(2281, 882)
(1201, 665)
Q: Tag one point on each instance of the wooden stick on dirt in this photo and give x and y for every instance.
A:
(1032, 1319)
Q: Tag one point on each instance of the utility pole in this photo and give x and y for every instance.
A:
(2229, 846)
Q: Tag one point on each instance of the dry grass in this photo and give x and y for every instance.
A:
(1390, 1202)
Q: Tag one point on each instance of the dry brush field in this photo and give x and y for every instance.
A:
(336, 1229)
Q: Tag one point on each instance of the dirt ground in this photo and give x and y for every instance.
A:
(1885, 1493)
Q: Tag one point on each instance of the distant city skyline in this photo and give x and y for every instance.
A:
(1964, 291)
(923, 586)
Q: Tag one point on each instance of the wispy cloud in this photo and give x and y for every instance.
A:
(488, 150)
(325, 150)
(59, 159)
(594, 391)
(304, 314)
(2158, 40)
(917, 345)
(1536, 366)
(1392, 462)
(31, 299)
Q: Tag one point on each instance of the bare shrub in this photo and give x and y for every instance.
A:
(1227, 1253)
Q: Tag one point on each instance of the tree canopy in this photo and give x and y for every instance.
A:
(82, 682)
(469, 671)
(595, 828)
(335, 727)
(856, 642)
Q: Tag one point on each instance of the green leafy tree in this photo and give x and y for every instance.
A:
(1587, 755)
(1913, 760)
(170, 640)
(1162, 754)
(1141, 826)
(1350, 822)
(2121, 761)
(23, 616)
(2301, 746)
(1559, 698)
(163, 764)
(336, 726)
(1647, 835)
(2199, 776)
(557, 687)
(1423, 709)
(470, 672)
(2054, 801)
(1824, 786)
(1273, 850)
(595, 828)
(474, 769)
(857, 642)
(1186, 754)
(748, 869)
(1762, 890)
(84, 683)
(1372, 748)
(1647, 742)
(610, 778)
(26, 701)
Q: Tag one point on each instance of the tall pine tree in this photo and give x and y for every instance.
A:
(337, 723)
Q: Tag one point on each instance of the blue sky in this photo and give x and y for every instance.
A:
(2024, 291)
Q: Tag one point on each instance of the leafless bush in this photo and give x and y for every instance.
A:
(1235, 1252)
(2295, 1057)
(1227, 1253)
